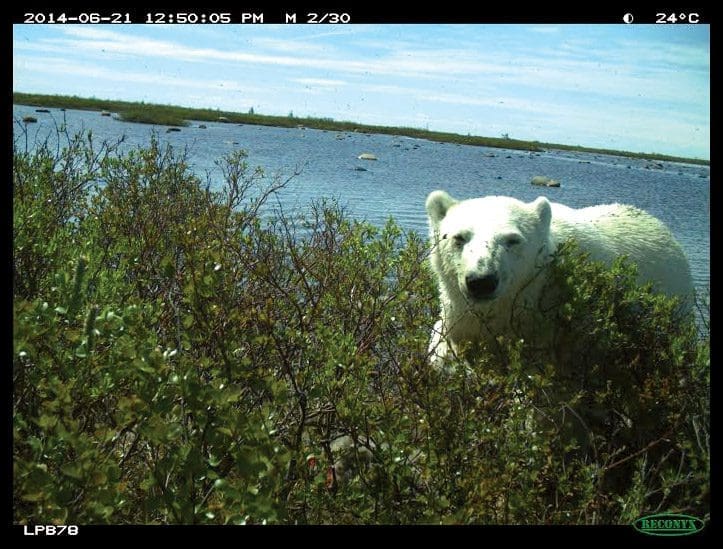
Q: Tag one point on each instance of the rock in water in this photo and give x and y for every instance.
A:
(544, 181)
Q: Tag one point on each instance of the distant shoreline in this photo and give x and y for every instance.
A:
(168, 115)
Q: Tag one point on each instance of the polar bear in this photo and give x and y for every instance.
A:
(489, 254)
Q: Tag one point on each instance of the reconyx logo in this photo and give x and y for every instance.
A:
(668, 524)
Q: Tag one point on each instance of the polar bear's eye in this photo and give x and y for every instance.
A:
(460, 239)
(512, 240)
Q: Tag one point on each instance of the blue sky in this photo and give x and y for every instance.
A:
(643, 88)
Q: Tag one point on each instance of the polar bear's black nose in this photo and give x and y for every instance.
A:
(481, 287)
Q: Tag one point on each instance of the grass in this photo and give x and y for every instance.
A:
(178, 116)
(159, 116)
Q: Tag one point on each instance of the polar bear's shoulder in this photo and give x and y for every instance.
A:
(596, 223)
(594, 214)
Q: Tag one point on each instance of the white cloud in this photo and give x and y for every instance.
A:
(546, 70)
(287, 46)
(321, 82)
(61, 66)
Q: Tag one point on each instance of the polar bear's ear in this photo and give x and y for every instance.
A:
(541, 206)
(438, 202)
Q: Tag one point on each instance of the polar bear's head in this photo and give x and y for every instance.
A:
(487, 248)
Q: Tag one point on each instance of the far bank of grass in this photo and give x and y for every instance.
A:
(168, 115)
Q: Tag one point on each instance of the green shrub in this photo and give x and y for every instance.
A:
(187, 356)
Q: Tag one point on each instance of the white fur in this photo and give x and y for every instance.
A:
(501, 245)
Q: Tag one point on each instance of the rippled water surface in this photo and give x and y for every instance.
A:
(408, 169)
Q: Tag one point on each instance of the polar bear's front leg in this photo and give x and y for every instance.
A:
(442, 353)
(438, 346)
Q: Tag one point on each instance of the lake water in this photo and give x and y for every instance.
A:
(407, 170)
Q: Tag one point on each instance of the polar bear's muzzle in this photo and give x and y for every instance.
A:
(482, 287)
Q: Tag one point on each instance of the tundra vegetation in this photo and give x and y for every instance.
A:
(190, 355)
(170, 115)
